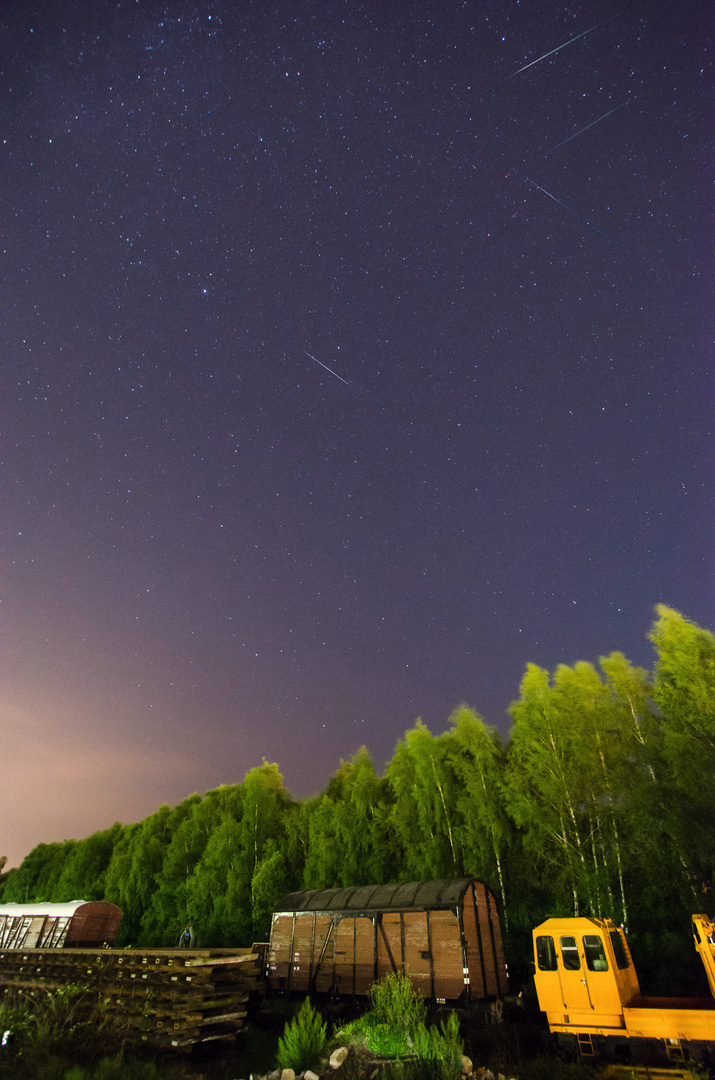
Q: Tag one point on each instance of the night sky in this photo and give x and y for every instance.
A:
(346, 368)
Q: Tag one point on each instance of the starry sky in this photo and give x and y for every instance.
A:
(354, 354)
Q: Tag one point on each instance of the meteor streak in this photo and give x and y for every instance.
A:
(557, 49)
(326, 367)
(570, 209)
(581, 130)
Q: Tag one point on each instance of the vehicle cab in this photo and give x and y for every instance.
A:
(584, 974)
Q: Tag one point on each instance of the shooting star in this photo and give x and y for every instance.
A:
(570, 209)
(557, 49)
(581, 130)
(326, 367)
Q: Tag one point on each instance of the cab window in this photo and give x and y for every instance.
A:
(546, 953)
(595, 953)
(569, 954)
(619, 950)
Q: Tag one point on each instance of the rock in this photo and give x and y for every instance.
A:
(338, 1057)
(466, 1064)
(310, 1075)
(288, 1074)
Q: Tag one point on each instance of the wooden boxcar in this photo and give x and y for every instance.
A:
(78, 924)
(445, 935)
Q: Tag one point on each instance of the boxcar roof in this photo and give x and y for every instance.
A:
(55, 911)
(399, 896)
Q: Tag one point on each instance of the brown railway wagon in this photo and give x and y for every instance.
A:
(74, 925)
(445, 935)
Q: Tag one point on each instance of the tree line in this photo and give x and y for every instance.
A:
(602, 802)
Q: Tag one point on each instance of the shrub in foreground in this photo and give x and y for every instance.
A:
(394, 1027)
(383, 1040)
(438, 1051)
(303, 1040)
(394, 1000)
(395, 1012)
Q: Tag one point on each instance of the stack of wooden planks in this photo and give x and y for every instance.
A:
(164, 998)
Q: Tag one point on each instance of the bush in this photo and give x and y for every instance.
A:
(59, 1018)
(384, 1040)
(438, 1051)
(303, 1040)
(394, 1000)
(394, 1027)
(395, 1012)
(63, 1034)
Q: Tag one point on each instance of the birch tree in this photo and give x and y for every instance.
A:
(423, 809)
(347, 831)
(544, 789)
(477, 760)
(684, 693)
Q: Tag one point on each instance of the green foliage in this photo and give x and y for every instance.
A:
(394, 1027)
(393, 1000)
(84, 869)
(684, 685)
(351, 816)
(168, 909)
(601, 802)
(384, 1040)
(64, 1035)
(477, 759)
(50, 1030)
(4, 877)
(58, 1018)
(438, 1051)
(302, 1041)
(394, 1023)
(268, 885)
(237, 831)
(684, 692)
(37, 876)
(135, 871)
(423, 814)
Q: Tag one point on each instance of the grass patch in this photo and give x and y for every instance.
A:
(383, 1040)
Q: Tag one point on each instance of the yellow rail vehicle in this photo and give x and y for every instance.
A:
(704, 936)
(588, 988)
